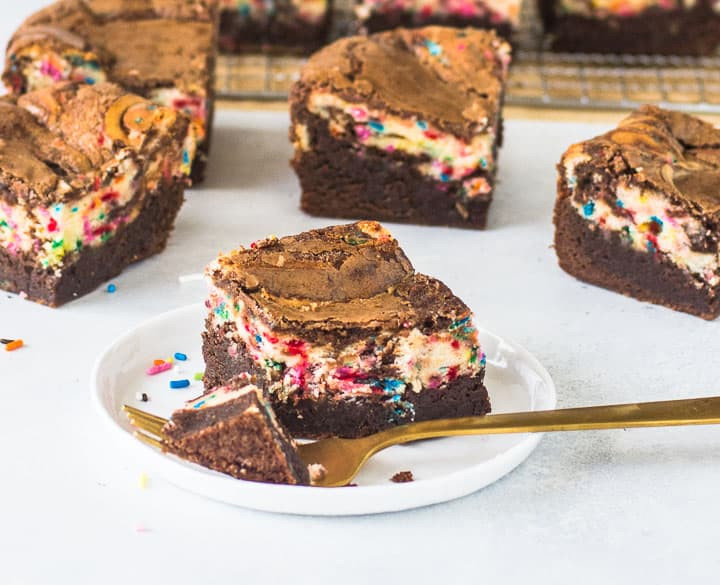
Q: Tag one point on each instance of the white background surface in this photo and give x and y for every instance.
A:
(638, 506)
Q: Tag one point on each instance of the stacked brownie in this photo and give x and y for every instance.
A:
(163, 50)
(666, 27)
(298, 26)
(342, 333)
(638, 211)
(232, 429)
(93, 178)
(401, 126)
(379, 15)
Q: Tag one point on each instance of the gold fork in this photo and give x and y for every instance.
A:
(343, 458)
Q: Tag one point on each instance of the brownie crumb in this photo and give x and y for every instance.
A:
(402, 477)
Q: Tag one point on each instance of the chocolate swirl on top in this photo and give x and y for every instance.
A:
(340, 276)
(408, 72)
(669, 151)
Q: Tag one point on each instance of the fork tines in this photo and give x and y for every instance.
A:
(148, 424)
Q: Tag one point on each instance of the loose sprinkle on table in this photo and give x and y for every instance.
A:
(13, 345)
(6, 341)
(142, 481)
(181, 357)
(164, 367)
(177, 384)
(141, 396)
(111, 288)
(199, 376)
(158, 362)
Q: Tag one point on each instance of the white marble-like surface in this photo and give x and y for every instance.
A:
(636, 506)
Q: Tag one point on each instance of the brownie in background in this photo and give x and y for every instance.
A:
(401, 126)
(662, 27)
(638, 211)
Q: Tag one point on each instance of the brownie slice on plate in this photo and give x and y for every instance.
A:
(92, 179)
(665, 27)
(343, 333)
(232, 429)
(401, 126)
(295, 26)
(162, 50)
(638, 210)
(379, 15)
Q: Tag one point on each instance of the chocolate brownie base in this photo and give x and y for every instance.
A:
(400, 18)
(145, 236)
(358, 417)
(655, 31)
(340, 181)
(243, 444)
(602, 258)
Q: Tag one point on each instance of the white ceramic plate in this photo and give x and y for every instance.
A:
(444, 469)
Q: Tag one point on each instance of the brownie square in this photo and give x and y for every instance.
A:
(343, 333)
(163, 50)
(378, 15)
(232, 429)
(638, 211)
(92, 179)
(664, 27)
(417, 146)
(295, 26)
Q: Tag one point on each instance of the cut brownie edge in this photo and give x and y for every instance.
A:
(240, 437)
(145, 236)
(603, 259)
(372, 184)
(351, 418)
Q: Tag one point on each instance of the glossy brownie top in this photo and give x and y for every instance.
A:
(340, 277)
(452, 77)
(55, 141)
(671, 152)
(142, 44)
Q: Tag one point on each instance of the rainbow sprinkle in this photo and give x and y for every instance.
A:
(181, 357)
(13, 345)
(111, 288)
(157, 369)
(199, 376)
(178, 384)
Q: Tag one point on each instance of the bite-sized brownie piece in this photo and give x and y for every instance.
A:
(163, 50)
(664, 27)
(379, 15)
(232, 429)
(343, 333)
(91, 178)
(297, 26)
(638, 211)
(419, 145)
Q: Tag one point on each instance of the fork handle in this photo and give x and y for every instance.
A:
(692, 411)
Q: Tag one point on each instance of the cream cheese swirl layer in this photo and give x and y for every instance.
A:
(417, 360)
(51, 233)
(649, 223)
(451, 158)
(42, 68)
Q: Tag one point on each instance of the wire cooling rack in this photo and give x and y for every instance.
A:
(538, 76)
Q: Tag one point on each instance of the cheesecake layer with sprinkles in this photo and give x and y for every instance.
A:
(370, 344)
